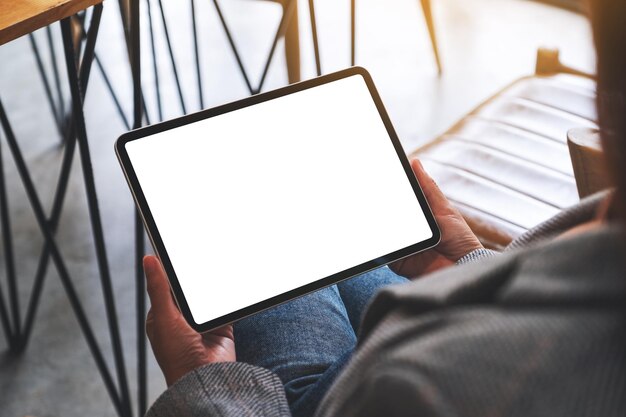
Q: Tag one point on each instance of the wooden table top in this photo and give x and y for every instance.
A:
(19, 17)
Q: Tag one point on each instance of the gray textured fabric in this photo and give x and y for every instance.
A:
(527, 333)
(582, 212)
(476, 255)
(579, 213)
(224, 389)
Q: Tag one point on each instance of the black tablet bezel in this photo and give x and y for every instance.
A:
(155, 237)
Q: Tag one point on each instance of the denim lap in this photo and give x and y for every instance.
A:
(356, 293)
(298, 340)
(307, 341)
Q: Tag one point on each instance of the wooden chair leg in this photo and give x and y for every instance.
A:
(292, 47)
(431, 30)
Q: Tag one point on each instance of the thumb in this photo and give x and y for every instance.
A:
(161, 301)
(433, 194)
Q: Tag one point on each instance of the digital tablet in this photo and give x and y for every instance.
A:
(256, 202)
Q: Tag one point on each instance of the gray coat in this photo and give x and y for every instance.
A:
(532, 332)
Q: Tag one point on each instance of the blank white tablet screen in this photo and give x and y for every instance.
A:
(260, 201)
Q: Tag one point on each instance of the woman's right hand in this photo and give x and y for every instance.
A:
(177, 347)
(457, 239)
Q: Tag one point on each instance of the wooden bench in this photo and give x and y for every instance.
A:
(506, 165)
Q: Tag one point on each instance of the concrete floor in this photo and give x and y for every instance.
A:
(485, 44)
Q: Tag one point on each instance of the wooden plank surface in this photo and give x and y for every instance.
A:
(19, 17)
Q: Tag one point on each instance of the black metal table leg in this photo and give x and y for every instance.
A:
(55, 72)
(155, 64)
(120, 399)
(58, 260)
(57, 113)
(194, 30)
(233, 47)
(58, 201)
(109, 86)
(78, 67)
(7, 241)
(172, 60)
(10, 259)
(288, 13)
(94, 210)
(53, 223)
(134, 53)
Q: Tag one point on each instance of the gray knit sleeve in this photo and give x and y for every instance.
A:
(575, 215)
(476, 255)
(224, 389)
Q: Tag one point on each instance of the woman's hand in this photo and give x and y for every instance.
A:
(457, 239)
(177, 347)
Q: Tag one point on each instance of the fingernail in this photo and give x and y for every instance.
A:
(148, 264)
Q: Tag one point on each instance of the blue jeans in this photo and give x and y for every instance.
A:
(306, 342)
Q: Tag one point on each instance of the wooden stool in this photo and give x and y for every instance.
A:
(430, 24)
(288, 29)
(288, 24)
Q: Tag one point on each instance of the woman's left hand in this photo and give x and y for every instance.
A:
(457, 239)
(177, 347)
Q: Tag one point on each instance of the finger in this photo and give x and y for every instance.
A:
(433, 194)
(158, 287)
(224, 331)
